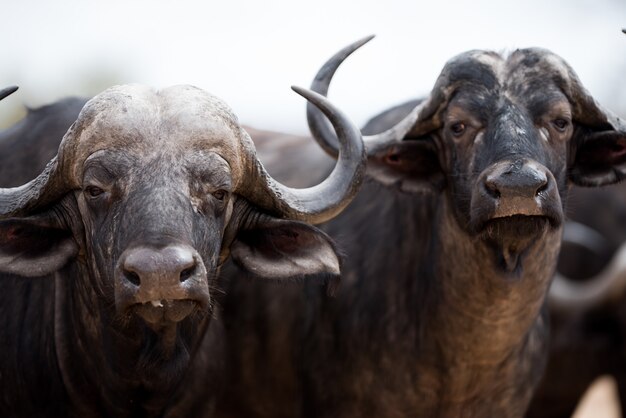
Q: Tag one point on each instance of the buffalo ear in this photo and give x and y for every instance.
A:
(599, 158)
(279, 249)
(34, 246)
(598, 147)
(412, 165)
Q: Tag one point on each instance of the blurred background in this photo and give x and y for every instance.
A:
(249, 52)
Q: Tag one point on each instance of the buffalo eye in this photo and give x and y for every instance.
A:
(560, 124)
(457, 128)
(93, 191)
(219, 194)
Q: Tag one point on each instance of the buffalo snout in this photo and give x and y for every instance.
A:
(161, 284)
(518, 179)
(517, 188)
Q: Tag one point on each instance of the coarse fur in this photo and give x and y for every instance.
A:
(440, 311)
(589, 341)
(109, 259)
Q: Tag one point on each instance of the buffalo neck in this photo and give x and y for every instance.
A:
(487, 334)
(112, 363)
(480, 304)
(421, 291)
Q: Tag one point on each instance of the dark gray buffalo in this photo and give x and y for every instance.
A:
(109, 257)
(450, 250)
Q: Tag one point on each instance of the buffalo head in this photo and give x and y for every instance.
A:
(502, 136)
(148, 195)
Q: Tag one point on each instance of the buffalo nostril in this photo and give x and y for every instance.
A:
(505, 181)
(187, 273)
(146, 276)
(132, 277)
(542, 189)
(491, 189)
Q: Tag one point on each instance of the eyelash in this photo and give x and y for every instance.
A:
(458, 128)
(220, 195)
(560, 121)
(93, 191)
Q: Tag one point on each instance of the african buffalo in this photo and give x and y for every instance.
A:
(450, 249)
(109, 258)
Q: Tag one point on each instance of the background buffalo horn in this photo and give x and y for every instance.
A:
(7, 91)
(610, 284)
(319, 126)
(584, 236)
(322, 202)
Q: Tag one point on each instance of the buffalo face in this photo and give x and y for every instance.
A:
(502, 137)
(505, 146)
(154, 203)
(512, 135)
(150, 192)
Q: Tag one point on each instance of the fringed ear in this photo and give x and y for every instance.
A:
(34, 246)
(599, 158)
(284, 250)
(412, 164)
(597, 154)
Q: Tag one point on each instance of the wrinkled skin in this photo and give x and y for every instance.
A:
(589, 342)
(440, 310)
(108, 275)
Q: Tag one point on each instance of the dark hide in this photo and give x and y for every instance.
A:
(440, 311)
(97, 328)
(590, 342)
(27, 146)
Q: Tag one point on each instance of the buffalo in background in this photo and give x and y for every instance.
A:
(450, 249)
(587, 340)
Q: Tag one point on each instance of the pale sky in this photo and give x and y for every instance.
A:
(250, 52)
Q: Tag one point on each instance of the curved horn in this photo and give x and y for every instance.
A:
(610, 284)
(322, 202)
(15, 200)
(319, 126)
(7, 91)
(38, 192)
